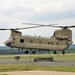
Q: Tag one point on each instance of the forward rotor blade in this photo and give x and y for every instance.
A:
(25, 27)
(7, 29)
(4, 29)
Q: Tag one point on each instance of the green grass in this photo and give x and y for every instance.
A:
(66, 57)
(3, 74)
(20, 67)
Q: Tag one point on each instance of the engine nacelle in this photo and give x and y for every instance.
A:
(60, 37)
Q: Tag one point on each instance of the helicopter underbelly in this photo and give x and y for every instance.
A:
(44, 46)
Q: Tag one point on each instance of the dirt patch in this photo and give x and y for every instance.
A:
(38, 73)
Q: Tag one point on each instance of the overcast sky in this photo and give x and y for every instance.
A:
(15, 12)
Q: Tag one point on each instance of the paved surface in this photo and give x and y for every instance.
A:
(55, 63)
(38, 73)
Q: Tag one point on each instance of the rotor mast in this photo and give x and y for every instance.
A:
(15, 33)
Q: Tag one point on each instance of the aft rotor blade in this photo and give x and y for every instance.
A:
(63, 26)
(31, 24)
(38, 24)
(30, 27)
(51, 25)
(71, 26)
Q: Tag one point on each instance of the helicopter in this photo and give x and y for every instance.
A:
(59, 41)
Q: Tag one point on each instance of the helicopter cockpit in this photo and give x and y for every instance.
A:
(10, 41)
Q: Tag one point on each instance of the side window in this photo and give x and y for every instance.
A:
(57, 43)
(31, 41)
(48, 42)
(52, 43)
(40, 42)
(21, 40)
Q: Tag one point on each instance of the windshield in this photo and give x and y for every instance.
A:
(54, 34)
(11, 39)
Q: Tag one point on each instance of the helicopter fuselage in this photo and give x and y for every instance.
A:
(61, 40)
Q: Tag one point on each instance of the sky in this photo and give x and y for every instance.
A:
(15, 12)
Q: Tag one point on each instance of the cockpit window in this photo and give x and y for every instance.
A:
(12, 38)
(54, 33)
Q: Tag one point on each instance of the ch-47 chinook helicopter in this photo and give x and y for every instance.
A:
(59, 41)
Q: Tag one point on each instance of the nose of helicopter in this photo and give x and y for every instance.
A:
(7, 43)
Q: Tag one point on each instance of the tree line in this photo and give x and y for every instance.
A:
(17, 51)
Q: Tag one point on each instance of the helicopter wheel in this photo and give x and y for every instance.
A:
(55, 52)
(63, 52)
(26, 52)
(33, 52)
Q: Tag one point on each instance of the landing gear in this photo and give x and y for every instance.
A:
(55, 52)
(63, 52)
(33, 52)
(30, 51)
(26, 52)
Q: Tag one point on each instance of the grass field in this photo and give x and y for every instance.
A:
(3, 74)
(66, 57)
(23, 67)
(20, 67)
